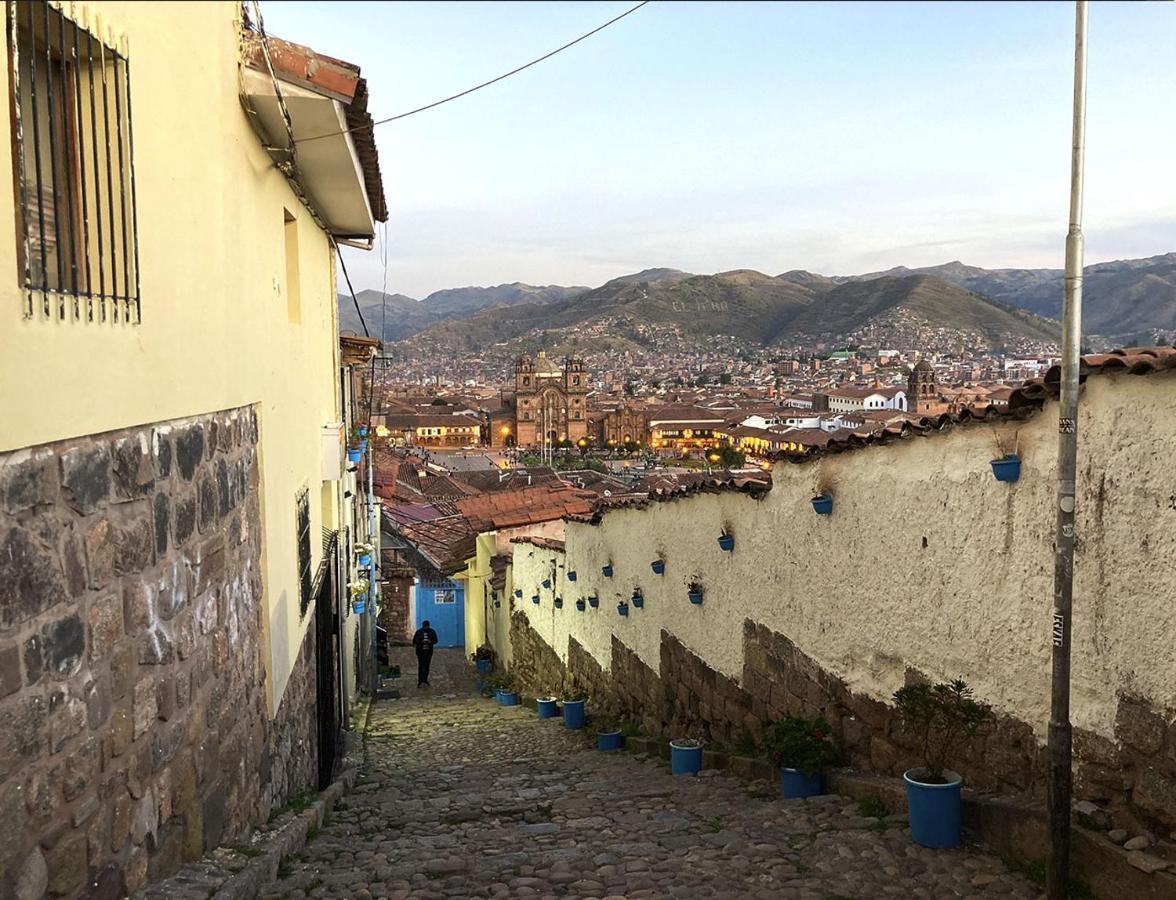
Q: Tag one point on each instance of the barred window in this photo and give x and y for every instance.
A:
(302, 517)
(77, 232)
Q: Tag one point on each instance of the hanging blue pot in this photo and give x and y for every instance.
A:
(623, 608)
(497, 604)
(484, 665)
(573, 713)
(609, 740)
(594, 601)
(1007, 469)
(547, 582)
(638, 600)
(685, 757)
(580, 605)
(658, 566)
(823, 504)
(365, 559)
(559, 602)
(571, 576)
(545, 707)
(518, 595)
(363, 430)
(354, 454)
(607, 571)
(360, 606)
(727, 542)
(794, 784)
(535, 599)
(934, 809)
(696, 597)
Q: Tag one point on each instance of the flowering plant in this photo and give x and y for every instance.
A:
(358, 589)
(801, 744)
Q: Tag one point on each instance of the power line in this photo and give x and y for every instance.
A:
(478, 87)
(354, 299)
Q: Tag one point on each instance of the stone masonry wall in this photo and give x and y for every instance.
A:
(133, 720)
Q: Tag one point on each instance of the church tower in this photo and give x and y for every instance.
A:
(922, 389)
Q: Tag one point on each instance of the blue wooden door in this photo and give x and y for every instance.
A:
(443, 604)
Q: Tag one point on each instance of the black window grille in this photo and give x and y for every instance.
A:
(77, 231)
(305, 579)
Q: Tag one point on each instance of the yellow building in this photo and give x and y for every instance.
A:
(173, 533)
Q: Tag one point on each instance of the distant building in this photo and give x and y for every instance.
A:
(922, 390)
(551, 404)
(853, 398)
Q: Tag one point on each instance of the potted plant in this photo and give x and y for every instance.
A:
(1007, 465)
(607, 570)
(940, 716)
(686, 756)
(727, 540)
(545, 707)
(364, 554)
(572, 575)
(547, 582)
(358, 591)
(801, 750)
(581, 605)
(658, 566)
(622, 608)
(638, 598)
(535, 599)
(608, 733)
(823, 504)
(518, 594)
(507, 695)
(354, 454)
(362, 430)
(559, 602)
(484, 658)
(694, 591)
(593, 601)
(573, 709)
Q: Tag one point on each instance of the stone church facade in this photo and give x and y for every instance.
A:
(551, 402)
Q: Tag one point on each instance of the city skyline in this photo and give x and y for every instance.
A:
(839, 138)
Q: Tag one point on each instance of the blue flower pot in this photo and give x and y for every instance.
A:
(581, 605)
(360, 606)
(547, 582)
(535, 599)
(658, 566)
(1007, 469)
(365, 559)
(623, 609)
(606, 571)
(795, 784)
(685, 759)
(484, 665)
(609, 740)
(363, 430)
(559, 602)
(934, 809)
(498, 694)
(354, 454)
(571, 576)
(638, 600)
(696, 598)
(509, 698)
(573, 713)
(594, 601)
(519, 595)
(727, 542)
(546, 708)
(823, 505)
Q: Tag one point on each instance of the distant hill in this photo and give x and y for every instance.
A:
(1123, 297)
(405, 316)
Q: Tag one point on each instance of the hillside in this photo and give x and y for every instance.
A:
(926, 300)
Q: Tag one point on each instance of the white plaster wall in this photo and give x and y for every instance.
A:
(860, 593)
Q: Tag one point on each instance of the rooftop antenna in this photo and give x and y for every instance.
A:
(1060, 735)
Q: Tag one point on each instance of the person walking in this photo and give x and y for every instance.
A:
(424, 641)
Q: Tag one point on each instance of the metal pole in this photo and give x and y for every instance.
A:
(1060, 776)
(374, 584)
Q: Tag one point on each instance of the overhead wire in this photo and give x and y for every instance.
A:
(347, 278)
(477, 87)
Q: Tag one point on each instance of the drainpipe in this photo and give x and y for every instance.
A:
(1060, 736)
(374, 586)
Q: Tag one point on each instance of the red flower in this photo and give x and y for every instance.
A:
(819, 735)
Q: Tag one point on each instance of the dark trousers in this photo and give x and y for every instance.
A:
(424, 657)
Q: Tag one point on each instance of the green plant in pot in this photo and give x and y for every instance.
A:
(802, 750)
(940, 717)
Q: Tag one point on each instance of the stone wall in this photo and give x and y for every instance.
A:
(133, 720)
(928, 568)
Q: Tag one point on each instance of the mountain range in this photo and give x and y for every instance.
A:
(1123, 299)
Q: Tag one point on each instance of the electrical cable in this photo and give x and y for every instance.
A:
(477, 87)
(354, 299)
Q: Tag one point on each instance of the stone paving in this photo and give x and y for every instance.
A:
(462, 797)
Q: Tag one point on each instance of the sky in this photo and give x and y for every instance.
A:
(835, 137)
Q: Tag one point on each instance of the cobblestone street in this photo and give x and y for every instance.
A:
(462, 797)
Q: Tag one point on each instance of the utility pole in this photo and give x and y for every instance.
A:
(1060, 774)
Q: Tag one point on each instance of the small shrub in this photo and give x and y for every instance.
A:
(941, 716)
(801, 744)
(873, 807)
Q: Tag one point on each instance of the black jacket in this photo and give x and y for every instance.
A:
(424, 640)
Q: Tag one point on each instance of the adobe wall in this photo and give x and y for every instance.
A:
(134, 731)
(928, 567)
